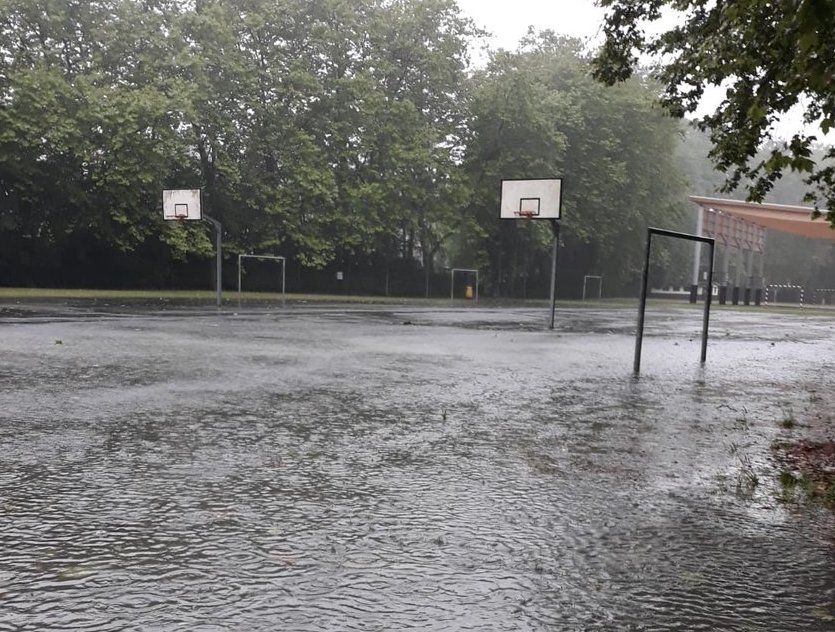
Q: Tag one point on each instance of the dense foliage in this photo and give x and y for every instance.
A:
(770, 55)
(343, 134)
(538, 111)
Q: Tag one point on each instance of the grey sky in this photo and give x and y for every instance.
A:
(508, 21)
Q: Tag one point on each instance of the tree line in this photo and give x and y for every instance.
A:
(342, 134)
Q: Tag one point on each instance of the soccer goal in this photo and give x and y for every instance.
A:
(642, 306)
(824, 296)
(786, 292)
(470, 273)
(593, 278)
(275, 258)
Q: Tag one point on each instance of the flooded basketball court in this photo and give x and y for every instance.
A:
(391, 468)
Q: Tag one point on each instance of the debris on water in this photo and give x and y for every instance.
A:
(59, 342)
(76, 571)
(823, 614)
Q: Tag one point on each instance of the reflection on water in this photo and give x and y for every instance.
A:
(364, 475)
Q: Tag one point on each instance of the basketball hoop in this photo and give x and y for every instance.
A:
(539, 198)
(181, 205)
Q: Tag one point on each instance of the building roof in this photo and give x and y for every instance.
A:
(786, 218)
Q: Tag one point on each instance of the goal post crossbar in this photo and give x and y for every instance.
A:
(283, 261)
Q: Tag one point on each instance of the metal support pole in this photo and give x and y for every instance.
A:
(642, 307)
(708, 298)
(555, 226)
(219, 255)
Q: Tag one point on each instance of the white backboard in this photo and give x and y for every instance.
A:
(182, 204)
(539, 198)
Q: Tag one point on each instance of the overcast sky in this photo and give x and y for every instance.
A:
(508, 21)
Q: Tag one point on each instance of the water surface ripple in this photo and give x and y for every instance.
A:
(321, 470)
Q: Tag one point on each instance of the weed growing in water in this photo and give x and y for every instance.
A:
(812, 491)
(787, 480)
(748, 479)
(788, 421)
(743, 419)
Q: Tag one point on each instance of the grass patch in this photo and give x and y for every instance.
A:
(747, 479)
(808, 471)
(231, 297)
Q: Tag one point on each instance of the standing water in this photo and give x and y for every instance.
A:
(310, 469)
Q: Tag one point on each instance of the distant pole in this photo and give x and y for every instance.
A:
(697, 250)
(555, 226)
(219, 256)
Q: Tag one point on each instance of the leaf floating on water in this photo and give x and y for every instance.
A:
(823, 615)
(77, 571)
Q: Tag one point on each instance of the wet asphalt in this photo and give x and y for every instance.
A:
(341, 467)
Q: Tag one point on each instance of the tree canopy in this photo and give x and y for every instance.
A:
(538, 111)
(770, 56)
(341, 134)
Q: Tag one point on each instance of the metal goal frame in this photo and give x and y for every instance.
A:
(452, 281)
(283, 261)
(599, 287)
(639, 333)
